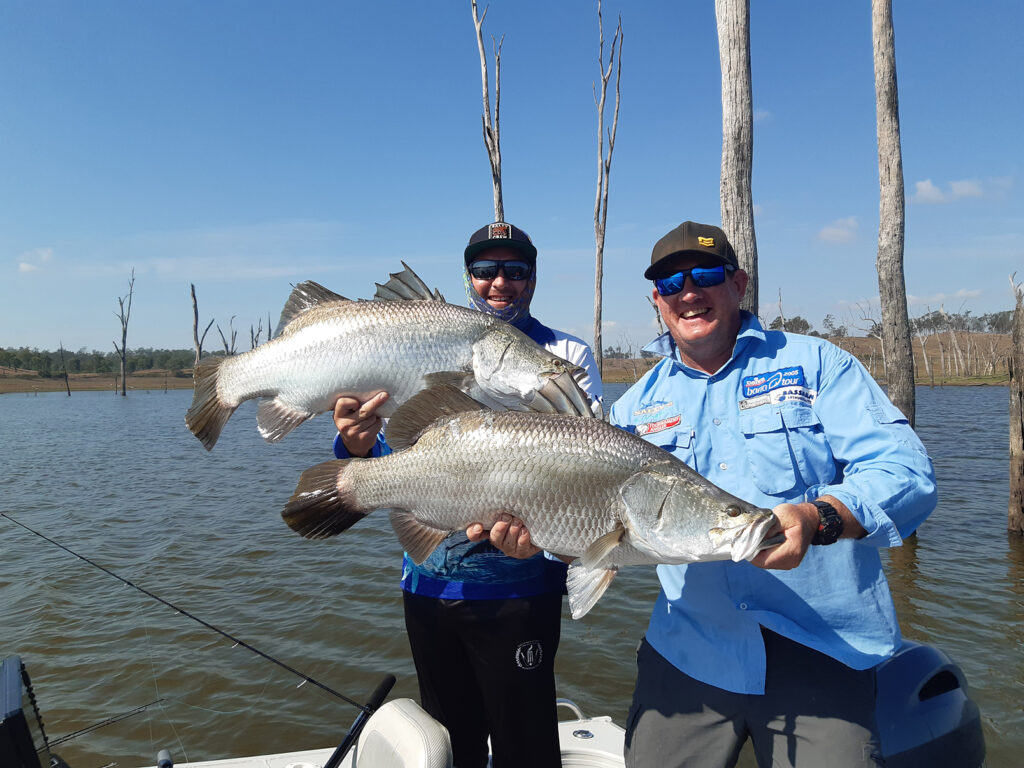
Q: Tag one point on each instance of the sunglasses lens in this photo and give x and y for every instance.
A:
(671, 285)
(484, 270)
(516, 270)
(706, 277)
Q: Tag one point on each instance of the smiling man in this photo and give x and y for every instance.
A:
(780, 650)
(483, 627)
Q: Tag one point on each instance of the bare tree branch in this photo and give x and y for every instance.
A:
(196, 338)
(492, 136)
(124, 315)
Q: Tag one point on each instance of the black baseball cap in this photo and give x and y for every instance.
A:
(503, 234)
(691, 238)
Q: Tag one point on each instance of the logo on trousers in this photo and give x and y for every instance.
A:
(529, 655)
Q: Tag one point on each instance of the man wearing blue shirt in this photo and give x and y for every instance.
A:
(781, 649)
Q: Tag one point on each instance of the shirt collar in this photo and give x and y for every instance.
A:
(750, 331)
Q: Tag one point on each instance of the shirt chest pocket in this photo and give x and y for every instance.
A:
(786, 448)
(678, 441)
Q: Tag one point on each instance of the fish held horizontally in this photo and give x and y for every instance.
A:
(401, 342)
(583, 488)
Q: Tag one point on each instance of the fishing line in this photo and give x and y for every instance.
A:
(102, 723)
(305, 678)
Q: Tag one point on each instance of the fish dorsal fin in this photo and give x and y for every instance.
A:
(424, 408)
(417, 539)
(304, 297)
(601, 547)
(586, 585)
(406, 286)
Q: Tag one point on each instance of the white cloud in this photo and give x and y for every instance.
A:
(761, 114)
(927, 192)
(840, 231)
(31, 260)
(26, 267)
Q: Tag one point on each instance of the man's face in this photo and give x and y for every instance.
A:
(499, 292)
(703, 322)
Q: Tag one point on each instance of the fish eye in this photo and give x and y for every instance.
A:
(732, 510)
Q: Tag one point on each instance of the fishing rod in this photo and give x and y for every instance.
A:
(366, 709)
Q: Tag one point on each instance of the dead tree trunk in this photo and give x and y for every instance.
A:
(604, 167)
(492, 134)
(196, 338)
(1015, 522)
(897, 345)
(733, 17)
(64, 368)
(124, 315)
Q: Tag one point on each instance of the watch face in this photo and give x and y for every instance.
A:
(830, 525)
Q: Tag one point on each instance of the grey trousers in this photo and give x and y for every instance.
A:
(815, 712)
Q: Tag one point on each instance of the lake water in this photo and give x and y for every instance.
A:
(122, 482)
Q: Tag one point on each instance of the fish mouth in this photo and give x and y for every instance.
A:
(561, 393)
(750, 539)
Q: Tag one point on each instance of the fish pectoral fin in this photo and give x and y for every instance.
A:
(417, 539)
(425, 407)
(602, 547)
(586, 585)
(274, 419)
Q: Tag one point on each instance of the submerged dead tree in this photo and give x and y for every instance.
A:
(733, 17)
(124, 315)
(492, 134)
(196, 338)
(604, 167)
(1015, 522)
(897, 343)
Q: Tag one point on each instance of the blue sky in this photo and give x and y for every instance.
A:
(245, 146)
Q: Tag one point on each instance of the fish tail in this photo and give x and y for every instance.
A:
(207, 416)
(319, 508)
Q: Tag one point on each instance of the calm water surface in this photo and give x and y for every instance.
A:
(122, 482)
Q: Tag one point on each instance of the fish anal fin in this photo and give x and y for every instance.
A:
(317, 509)
(417, 539)
(586, 585)
(275, 419)
(303, 298)
(602, 547)
(406, 286)
(425, 407)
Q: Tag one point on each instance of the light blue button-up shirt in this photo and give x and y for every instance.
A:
(789, 418)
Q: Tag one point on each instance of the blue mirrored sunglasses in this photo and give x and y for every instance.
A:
(486, 269)
(703, 277)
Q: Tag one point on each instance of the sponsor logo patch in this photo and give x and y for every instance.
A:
(499, 231)
(660, 425)
(653, 408)
(529, 654)
(708, 241)
(763, 383)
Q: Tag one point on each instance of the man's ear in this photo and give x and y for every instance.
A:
(740, 280)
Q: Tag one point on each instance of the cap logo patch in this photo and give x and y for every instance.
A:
(499, 231)
(707, 241)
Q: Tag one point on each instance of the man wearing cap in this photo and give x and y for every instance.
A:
(781, 649)
(484, 627)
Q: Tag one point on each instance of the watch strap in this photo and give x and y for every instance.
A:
(830, 524)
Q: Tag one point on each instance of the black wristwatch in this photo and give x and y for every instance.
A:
(830, 524)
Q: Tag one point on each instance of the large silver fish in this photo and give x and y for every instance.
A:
(403, 341)
(583, 487)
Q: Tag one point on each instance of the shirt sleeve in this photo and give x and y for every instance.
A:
(885, 478)
(380, 447)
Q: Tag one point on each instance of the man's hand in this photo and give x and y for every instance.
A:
(797, 523)
(508, 534)
(358, 423)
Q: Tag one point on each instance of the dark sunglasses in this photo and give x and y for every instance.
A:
(486, 269)
(703, 277)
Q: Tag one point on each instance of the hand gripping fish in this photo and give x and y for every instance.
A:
(401, 342)
(584, 489)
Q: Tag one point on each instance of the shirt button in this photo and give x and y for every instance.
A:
(716, 421)
(723, 465)
(743, 606)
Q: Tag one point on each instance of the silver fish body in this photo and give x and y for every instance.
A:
(583, 488)
(328, 346)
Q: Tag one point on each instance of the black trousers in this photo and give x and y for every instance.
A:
(486, 667)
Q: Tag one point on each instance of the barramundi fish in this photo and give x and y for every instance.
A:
(401, 342)
(583, 488)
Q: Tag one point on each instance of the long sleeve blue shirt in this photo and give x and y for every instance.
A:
(788, 418)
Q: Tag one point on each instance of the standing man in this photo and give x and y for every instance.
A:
(780, 650)
(483, 627)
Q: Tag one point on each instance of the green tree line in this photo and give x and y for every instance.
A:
(142, 359)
